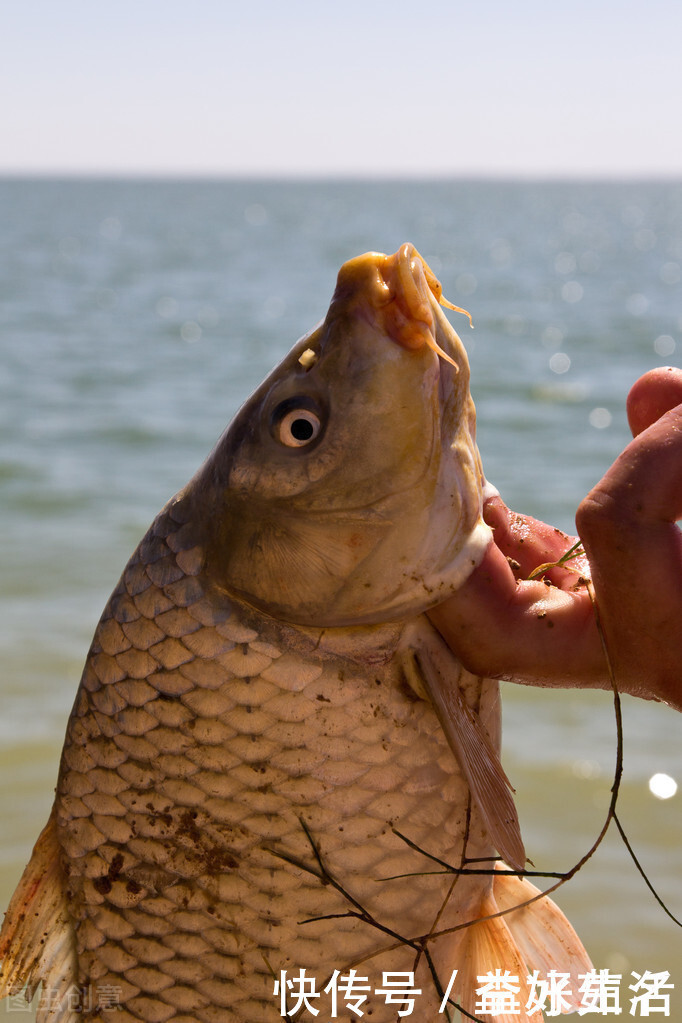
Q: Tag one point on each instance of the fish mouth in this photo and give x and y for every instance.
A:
(402, 301)
(399, 297)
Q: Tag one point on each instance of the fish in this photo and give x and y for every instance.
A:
(276, 776)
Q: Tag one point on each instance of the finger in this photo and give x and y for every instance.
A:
(652, 395)
(522, 631)
(528, 543)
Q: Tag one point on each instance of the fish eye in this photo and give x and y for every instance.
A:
(296, 425)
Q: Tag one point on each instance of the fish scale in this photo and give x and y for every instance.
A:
(265, 706)
(207, 776)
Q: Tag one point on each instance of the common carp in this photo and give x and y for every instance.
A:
(270, 743)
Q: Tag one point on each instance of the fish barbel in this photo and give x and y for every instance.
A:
(265, 705)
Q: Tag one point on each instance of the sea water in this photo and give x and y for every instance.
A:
(135, 318)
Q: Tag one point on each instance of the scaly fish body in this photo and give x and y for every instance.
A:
(265, 704)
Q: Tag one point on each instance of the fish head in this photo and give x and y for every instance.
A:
(347, 490)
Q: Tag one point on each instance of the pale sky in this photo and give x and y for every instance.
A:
(245, 87)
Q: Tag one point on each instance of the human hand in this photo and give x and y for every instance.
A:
(502, 624)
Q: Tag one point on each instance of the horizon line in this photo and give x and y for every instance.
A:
(346, 177)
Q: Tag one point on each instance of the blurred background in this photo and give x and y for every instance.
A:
(178, 188)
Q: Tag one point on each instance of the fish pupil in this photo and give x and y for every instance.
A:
(302, 429)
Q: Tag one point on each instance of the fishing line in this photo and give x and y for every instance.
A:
(614, 815)
(640, 868)
(615, 788)
(419, 943)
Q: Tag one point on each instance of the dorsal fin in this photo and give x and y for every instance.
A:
(37, 940)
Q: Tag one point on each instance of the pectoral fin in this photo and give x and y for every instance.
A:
(475, 753)
(37, 941)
